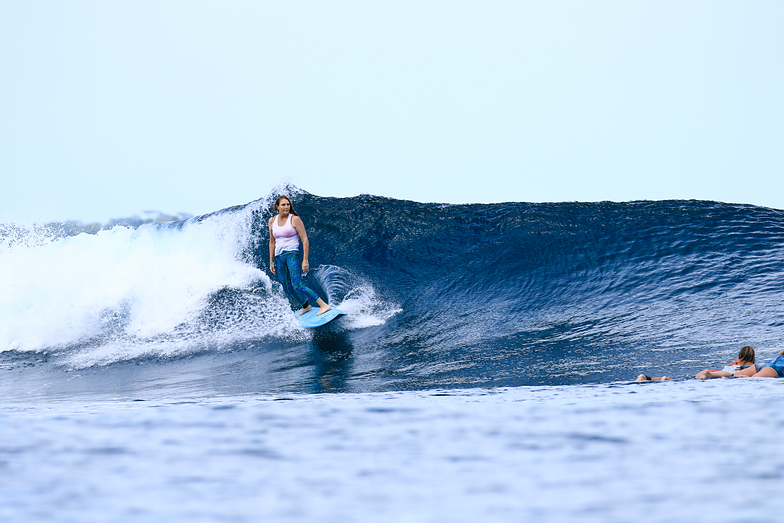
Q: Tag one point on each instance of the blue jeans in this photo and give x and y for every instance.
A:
(290, 276)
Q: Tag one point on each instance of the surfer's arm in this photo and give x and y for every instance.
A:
(300, 228)
(272, 247)
(745, 373)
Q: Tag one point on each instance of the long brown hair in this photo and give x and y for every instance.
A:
(747, 354)
(277, 202)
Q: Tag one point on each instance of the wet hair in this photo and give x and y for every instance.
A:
(747, 354)
(781, 353)
(277, 202)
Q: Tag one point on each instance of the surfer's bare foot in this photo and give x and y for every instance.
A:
(304, 310)
(323, 307)
(665, 378)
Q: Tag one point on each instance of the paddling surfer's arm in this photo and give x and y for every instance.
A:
(272, 247)
(300, 228)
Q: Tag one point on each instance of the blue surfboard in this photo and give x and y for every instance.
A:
(311, 320)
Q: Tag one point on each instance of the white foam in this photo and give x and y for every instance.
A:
(355, 296)
(150, 280)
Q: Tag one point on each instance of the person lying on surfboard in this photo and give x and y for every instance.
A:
(770, 369)
(286, 231)
(746, 358)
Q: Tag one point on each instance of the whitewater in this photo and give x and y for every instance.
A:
(483, 372)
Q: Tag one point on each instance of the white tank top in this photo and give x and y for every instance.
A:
(286, 236)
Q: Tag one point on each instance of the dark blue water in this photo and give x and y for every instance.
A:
(439, 296)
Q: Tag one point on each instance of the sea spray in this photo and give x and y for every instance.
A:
(140, 282)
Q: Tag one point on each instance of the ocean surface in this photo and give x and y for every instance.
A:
(154, 371)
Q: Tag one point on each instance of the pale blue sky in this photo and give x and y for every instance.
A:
(108, 108)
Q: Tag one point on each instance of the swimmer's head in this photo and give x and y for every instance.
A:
(285, 199)
(747, 354)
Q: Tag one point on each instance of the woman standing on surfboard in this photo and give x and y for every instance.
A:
(286, 230)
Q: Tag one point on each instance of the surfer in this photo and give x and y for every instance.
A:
(746, 359)
(286, 231)
(770, 369)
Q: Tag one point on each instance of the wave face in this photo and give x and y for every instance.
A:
(437, 296)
